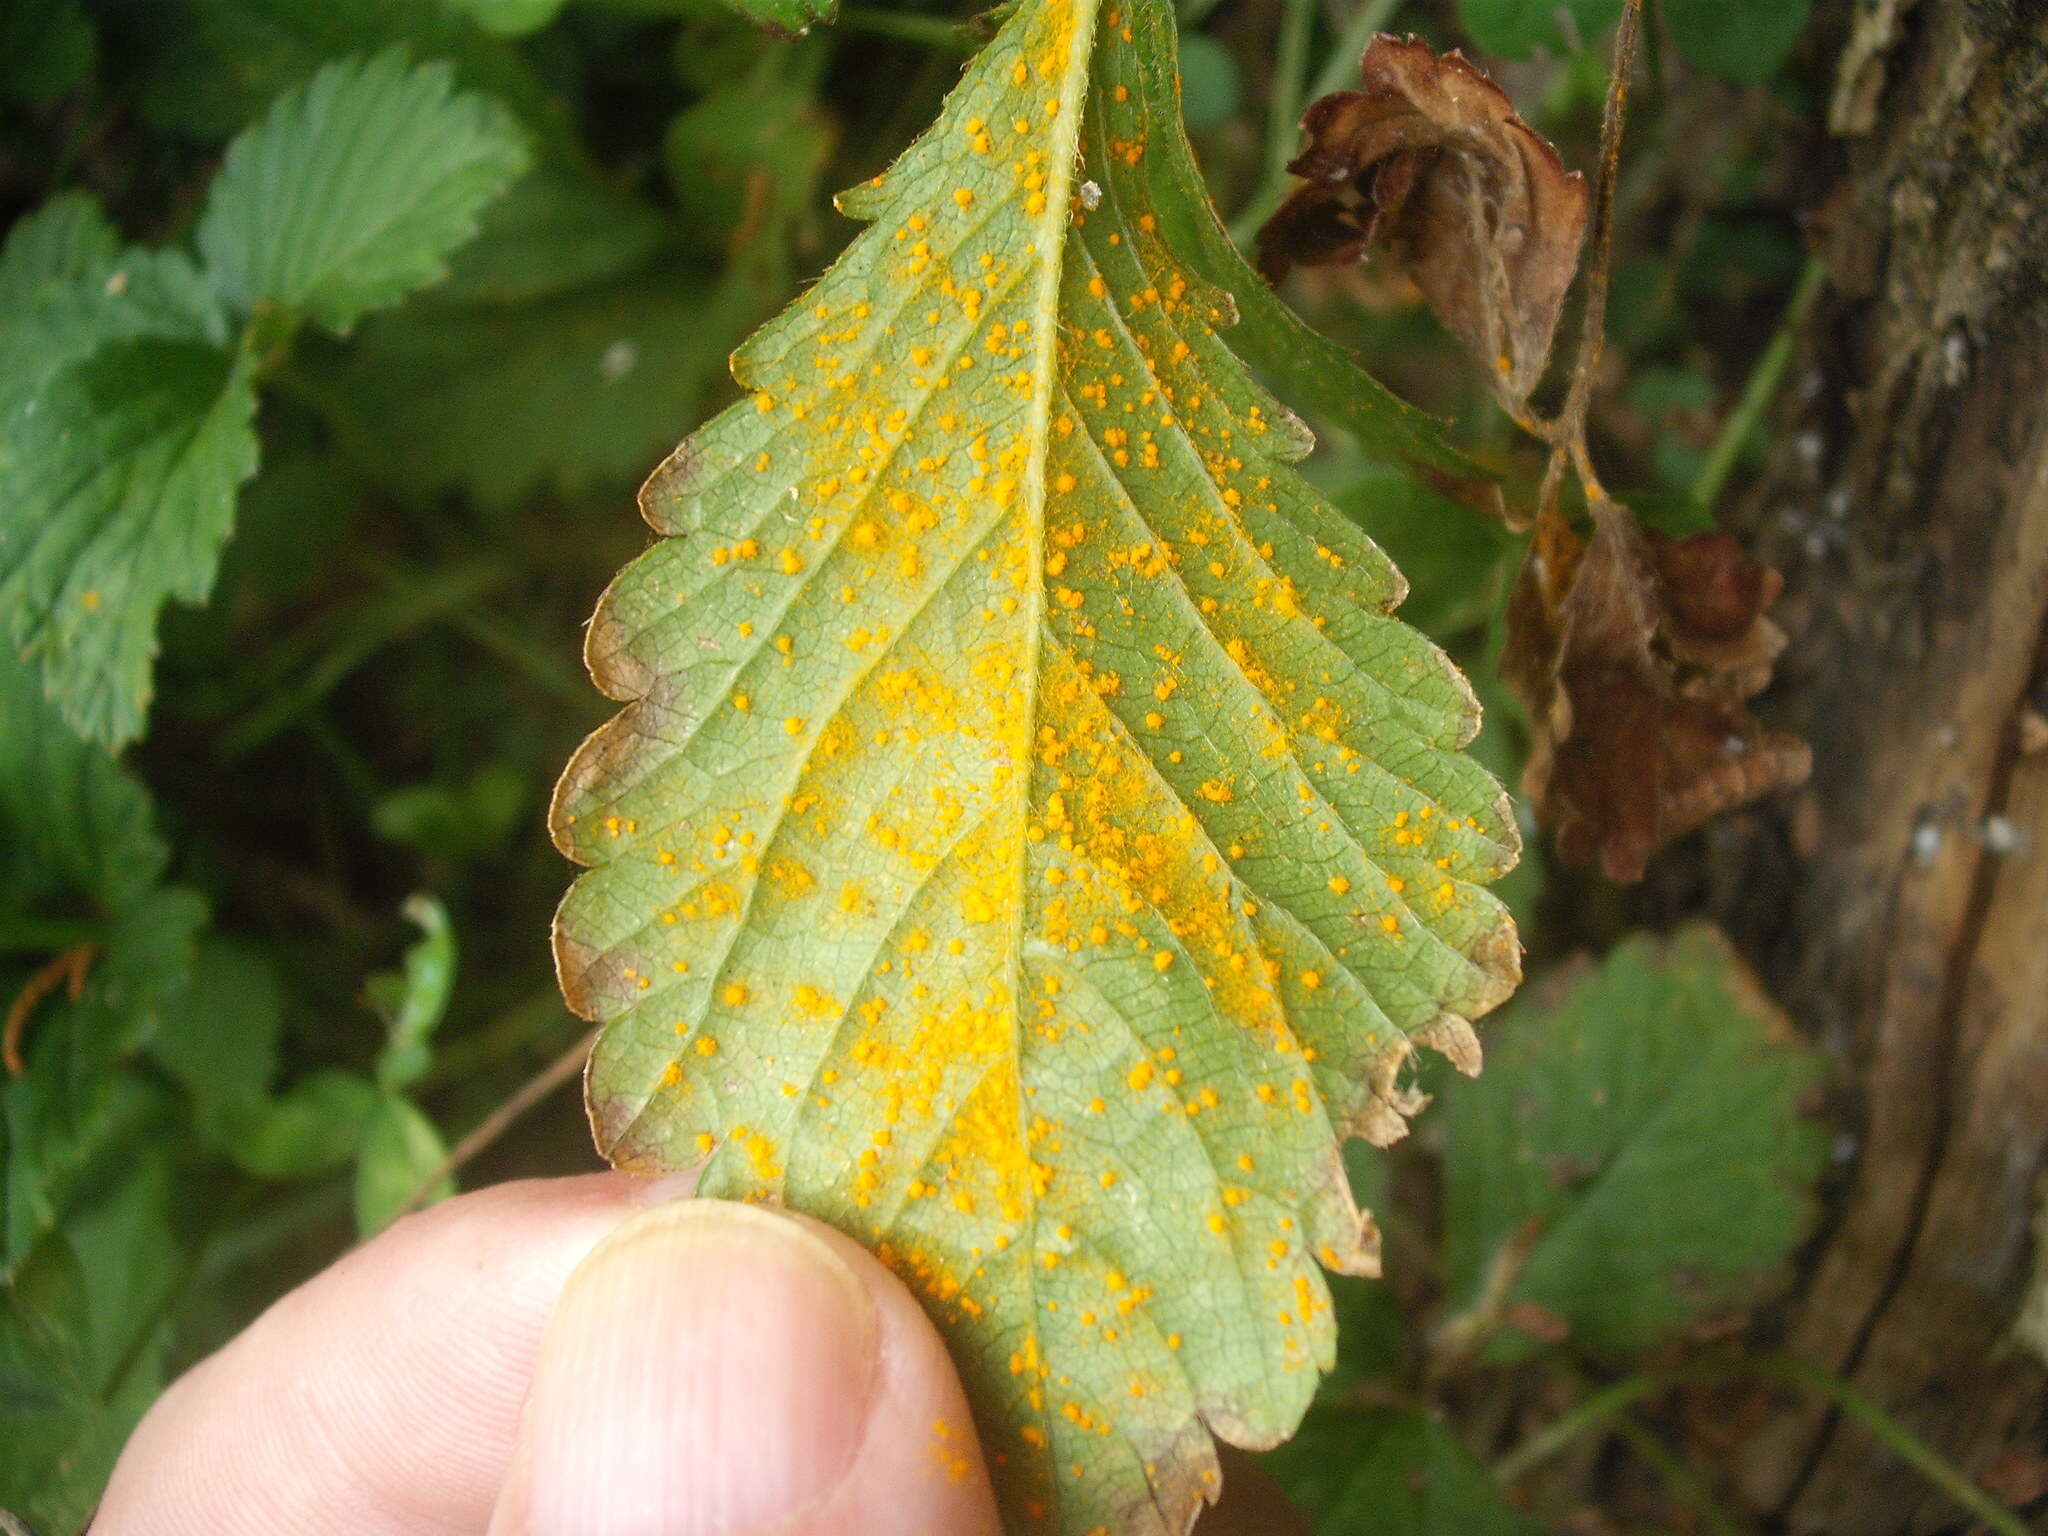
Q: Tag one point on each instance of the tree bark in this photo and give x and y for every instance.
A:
(1900, 907)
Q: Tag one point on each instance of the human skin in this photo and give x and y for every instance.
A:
(593, 1356)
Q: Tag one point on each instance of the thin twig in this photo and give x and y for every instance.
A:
(500, 1120)
(1567, 436)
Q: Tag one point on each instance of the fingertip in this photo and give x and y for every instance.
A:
(383, 1394)
(717, 1368)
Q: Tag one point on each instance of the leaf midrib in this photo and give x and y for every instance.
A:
(1058, 225)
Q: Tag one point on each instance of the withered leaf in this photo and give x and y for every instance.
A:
(1429, 162)
(1635, 655)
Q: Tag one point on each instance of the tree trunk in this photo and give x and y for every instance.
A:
(1900, 908)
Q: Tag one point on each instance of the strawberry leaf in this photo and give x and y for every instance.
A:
(1031, 844)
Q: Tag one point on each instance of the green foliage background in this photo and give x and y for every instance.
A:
(334, 336)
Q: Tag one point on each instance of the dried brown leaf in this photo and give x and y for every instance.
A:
(1429, 161)
(1635, 655)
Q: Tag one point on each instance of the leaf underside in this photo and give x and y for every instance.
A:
(1030, 844)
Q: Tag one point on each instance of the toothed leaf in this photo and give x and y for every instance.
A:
(1031, 844)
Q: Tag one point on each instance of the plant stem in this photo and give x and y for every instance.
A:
(501, 1119)
(929, 31)
(518, 1029)
(1595, 1410)
(423, 600)
(1902, 1442)
(1680, 1478)
(1762, 388)
(1568, 445)
(1588, 1413)
(1341, 68)
(1283, 117)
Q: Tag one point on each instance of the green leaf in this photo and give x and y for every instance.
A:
(747, 159)
(786, 18)
(1746, 41)
(223, 62)
(355, 187)
(72, 821)
(510, 18)
(47, 47)
(555, 230)
(1391, 1472)
(584, 389)
(117, 490)
(71, 295)
(316, 1126)
(1031, 844)
(77, 1113)
(1210, 87)
(1310, 370)
(1646, 1116)
(1518, 28)
(415, 998)
(64, 1411)
(400, 1149)
(68, 235)
(461, 820)
(218, 1035)
(1458, 561)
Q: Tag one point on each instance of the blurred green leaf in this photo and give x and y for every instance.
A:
(458, 820)
(1645, 1116)
(1390, 1472)
(75, 295)
(117, 489)
(355, 187)
(314, 1127)
(1735, 256)
(224, 62)
(218, 1035)
(786, 18)
(47, 47)
(1657, 389)
(78, 1109)
(1210, 89)
(400, 1150)
(510, 18)
(1673, 513)
(1457, 561)
(414, 999)
(584, 391)
(73, 823)
(1517, 28)
(746, 160)
(66, 236)
(65, 1410)
(556, 229)
(1746, 41)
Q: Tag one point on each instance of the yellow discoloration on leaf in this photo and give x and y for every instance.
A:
(1084, 828)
